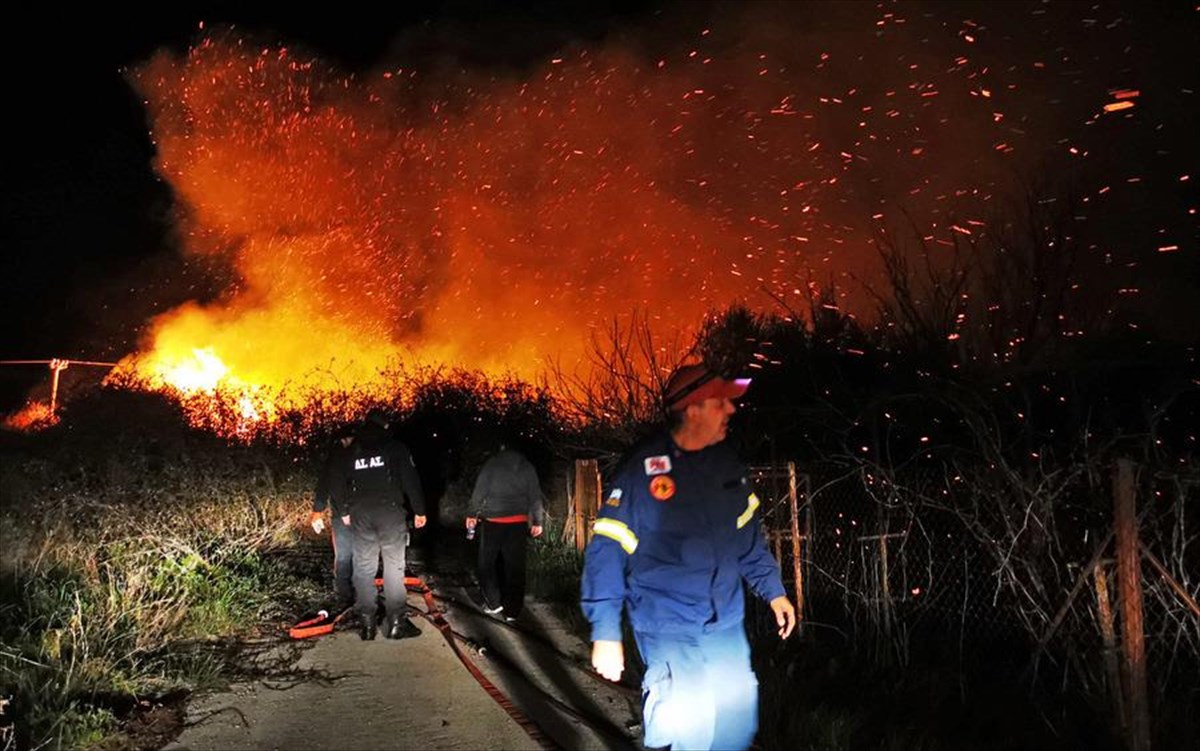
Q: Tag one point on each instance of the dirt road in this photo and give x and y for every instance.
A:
(417, 694)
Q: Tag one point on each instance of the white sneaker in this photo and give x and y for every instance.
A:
(493, 611)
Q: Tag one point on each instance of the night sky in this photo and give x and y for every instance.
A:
(87, 225)
(94, 246)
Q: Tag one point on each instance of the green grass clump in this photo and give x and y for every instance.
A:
(78, 642)
(555, 569)
(131, 559)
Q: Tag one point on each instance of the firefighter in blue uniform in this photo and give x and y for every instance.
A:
(375, 474)
(673, 542)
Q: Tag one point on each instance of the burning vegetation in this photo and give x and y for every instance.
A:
(927, 237)
(414, 217)
(420, 215)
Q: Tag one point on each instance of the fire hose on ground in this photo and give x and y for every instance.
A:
(323, 624)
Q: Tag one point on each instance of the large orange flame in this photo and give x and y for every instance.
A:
(371, 222)
(494, 223)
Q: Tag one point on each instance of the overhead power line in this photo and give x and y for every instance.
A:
(57, 366)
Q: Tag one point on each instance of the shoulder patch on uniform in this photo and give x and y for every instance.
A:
(614, 498)
(662, 487)
(657, 465)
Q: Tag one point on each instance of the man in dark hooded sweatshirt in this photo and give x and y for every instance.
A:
(375, 475)
(508, 498)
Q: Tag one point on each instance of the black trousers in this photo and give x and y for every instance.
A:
(343, 561)
(502, 565)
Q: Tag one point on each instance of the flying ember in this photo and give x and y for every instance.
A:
(388, 220)
(406, 217)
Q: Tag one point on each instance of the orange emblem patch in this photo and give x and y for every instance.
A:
(662, 487)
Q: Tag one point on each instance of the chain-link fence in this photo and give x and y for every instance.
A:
(874, 568)
(1017, 571)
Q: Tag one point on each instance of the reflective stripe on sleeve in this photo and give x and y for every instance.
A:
(748, 514)
(615, 530)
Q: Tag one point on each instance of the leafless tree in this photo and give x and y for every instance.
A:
(620, 386)
(996, 292)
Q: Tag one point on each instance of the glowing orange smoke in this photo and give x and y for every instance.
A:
(392, 218)
(375, 222)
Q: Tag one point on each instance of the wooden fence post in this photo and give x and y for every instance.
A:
(1129, 584)
(587, 499)
(578, 504)
(797, 569)
(1112, 668)
(568, 533)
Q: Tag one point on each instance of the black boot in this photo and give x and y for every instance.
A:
(366, 627)
(399, 627)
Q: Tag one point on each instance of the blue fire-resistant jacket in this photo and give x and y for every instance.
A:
(673, 540)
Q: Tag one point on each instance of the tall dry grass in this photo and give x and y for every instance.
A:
(132, 547)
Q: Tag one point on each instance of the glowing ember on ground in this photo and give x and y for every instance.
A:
(35, 415)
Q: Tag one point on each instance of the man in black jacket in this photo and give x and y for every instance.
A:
(343, 537)
(508, 498)
(375, 474)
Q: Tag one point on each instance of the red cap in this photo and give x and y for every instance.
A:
(692, 384)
